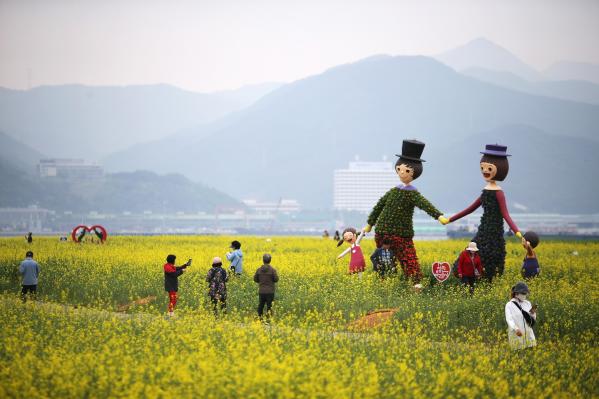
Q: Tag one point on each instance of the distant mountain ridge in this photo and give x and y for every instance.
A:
(76, 121)
(288, 143)
(572, 90)
(136, 192)
(568, 70)
(482, 53)
(18, 155)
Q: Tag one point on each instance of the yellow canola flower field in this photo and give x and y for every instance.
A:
(74, 342)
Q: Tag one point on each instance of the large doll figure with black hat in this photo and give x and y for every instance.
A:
(494, 167)
(392, 215)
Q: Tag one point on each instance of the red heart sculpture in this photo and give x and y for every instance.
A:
(441, 271)
(80, 231)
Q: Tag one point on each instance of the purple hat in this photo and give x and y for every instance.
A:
(496, 150)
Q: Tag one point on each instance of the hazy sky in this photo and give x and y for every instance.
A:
(223, 44)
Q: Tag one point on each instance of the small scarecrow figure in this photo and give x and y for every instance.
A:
(494, 167)
(393, 213)
(357, 264)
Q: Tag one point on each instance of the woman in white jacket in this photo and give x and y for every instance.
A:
(520, 316)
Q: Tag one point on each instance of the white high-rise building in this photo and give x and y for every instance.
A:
(72, 169)
(360, 186)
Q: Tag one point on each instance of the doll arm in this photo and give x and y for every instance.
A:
(505, 213)
(427, 207)
(342, 254)
(360, 236)
(378, 208)
(466, 211)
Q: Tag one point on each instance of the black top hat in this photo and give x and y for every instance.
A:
(412, 150)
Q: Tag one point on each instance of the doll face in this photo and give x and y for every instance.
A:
(488, 171)
(405, 173)
(348, 236)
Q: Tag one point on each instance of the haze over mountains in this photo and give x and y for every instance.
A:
(482, 53)
(291, 140)
(287, 143)
(117, 192)
(91, 122)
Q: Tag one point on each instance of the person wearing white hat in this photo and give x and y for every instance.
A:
(470, 267)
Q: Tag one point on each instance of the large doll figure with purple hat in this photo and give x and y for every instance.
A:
(392, 215)
(494, 167)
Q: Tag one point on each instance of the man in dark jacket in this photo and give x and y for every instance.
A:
(266, 276)
(171, 281)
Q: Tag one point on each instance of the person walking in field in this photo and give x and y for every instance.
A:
(520, 316)
(30, 271)
(470, 267)
(236, 258)
(171, 281)
(266, 276)
(217, 285)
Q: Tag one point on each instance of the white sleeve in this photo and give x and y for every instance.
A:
(362, 234)
(508, 317)
(342, 254)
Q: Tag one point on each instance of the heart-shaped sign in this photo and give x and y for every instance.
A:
(80, 231)
(441, 271)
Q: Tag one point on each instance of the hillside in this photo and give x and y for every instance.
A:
(289, 142)
(76, 121)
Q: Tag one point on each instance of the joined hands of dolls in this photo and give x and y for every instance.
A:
(443, 220)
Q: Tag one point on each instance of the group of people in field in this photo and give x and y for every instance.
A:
(217, 277)
(483, 257)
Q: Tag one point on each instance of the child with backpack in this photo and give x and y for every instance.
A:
(217, 285)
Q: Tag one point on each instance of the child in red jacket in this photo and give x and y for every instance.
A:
(171, 281)
(470, 267)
